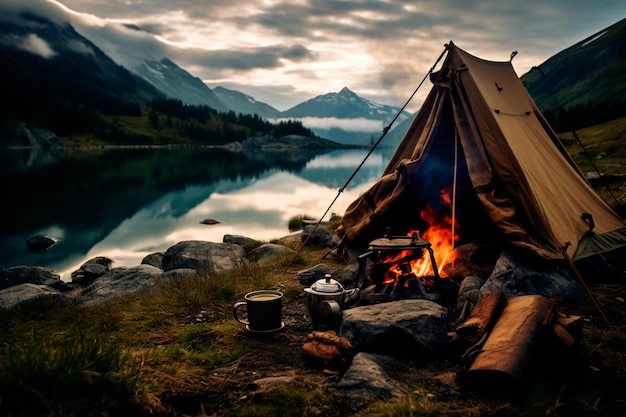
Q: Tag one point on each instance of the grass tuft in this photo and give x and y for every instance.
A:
(83, 376)
(410, 406)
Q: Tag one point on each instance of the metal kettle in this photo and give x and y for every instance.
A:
(326, 298)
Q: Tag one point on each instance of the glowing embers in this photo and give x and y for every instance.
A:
(400, 267)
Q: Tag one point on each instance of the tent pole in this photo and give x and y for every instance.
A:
(454, 180)
(595, 167)
(580, 279)
(385, 131)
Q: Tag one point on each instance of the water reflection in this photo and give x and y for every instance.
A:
(126, 204)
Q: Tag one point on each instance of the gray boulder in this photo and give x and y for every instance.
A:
(154, 259)
(91, 270)
(366, 376)
(238, 240)
(397, 328)
(27, 293)
(318, 236)
(119, 282)
(205, 257)
(514, 277)
(269, 251)
(22, 274)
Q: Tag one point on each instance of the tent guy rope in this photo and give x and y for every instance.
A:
(385, 131)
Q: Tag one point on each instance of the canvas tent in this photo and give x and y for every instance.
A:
(480, 134)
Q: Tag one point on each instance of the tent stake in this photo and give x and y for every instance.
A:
(385, 131)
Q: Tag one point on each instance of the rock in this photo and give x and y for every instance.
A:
(514, 277)
(366, 376)
(91, 270)
(154, 259)
(22, 135)
(349, 275)
(40, 243)
(205, 257)
(23, 294)
(119, 282)
(472, 260)
(397, 328)
(180, 273)
(238, 240)
(21, 274)
(288, 145)
(320, 236)
(315, 273)
(269, 251)
(468, 295)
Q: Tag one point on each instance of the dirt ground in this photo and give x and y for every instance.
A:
(277, 358)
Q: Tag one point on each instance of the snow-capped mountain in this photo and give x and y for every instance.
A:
(345, 117)
(343, 105)
(177, 83)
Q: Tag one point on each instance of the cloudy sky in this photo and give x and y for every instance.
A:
(284, 52)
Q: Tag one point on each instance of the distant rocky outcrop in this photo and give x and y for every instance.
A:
(17, 134)
(285, 143)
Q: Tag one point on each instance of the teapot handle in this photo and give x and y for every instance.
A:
(350, 296)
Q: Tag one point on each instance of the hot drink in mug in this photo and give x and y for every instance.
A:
(263, 311)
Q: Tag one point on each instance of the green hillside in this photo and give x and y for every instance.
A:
(602, 147)
(587, 80)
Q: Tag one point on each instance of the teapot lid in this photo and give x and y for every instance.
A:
(327, 285)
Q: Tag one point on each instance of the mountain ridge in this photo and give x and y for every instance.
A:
(69, 67)
(586, 80)
(176, 82)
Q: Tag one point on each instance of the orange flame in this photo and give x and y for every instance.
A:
(442, 235)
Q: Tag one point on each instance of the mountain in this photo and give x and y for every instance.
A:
(177, 83)
(243, 103)
(344, 117)
(50, 66)
(343, 105)
(587, 79)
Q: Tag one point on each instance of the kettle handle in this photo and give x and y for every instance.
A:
(350, 296)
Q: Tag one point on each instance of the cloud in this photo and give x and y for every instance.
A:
(244, 58)
(35, 45)
(351, 125)
(290, 51)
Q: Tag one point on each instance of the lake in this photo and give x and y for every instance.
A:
(128, 203)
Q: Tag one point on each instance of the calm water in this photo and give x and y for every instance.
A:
(126, 204)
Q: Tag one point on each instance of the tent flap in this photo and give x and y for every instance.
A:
(513, 164)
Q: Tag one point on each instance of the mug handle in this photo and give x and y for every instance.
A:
(235, 308)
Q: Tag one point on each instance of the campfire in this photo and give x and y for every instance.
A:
(411, 266)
